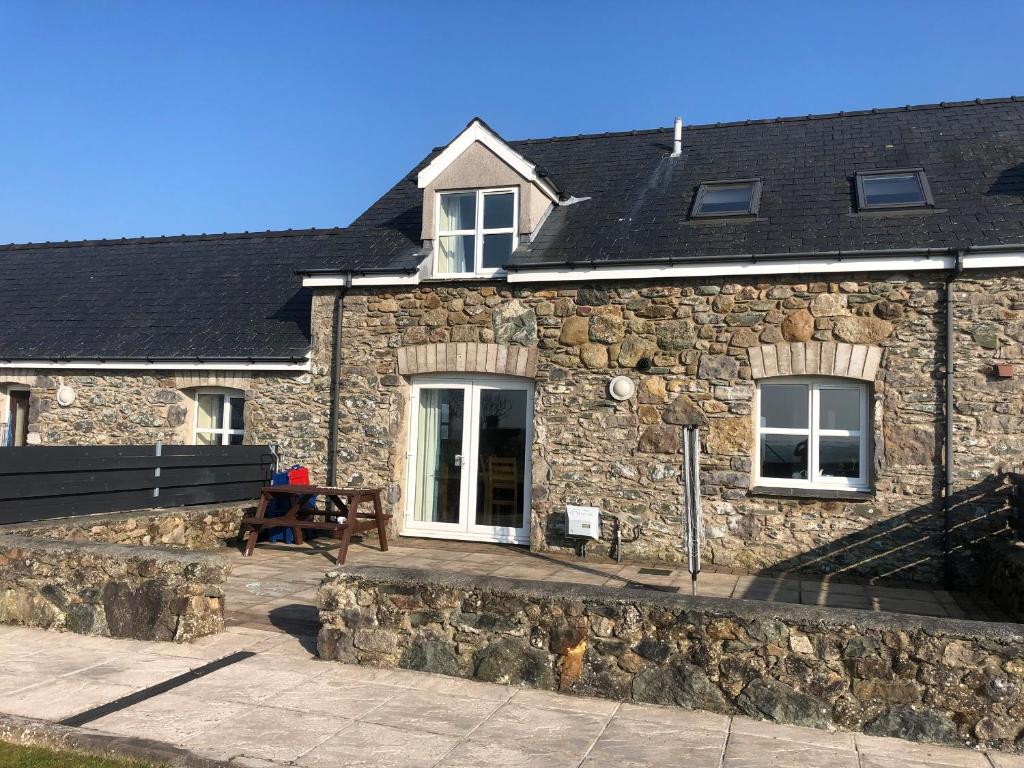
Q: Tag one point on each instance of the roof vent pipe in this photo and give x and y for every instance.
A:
(677, 141)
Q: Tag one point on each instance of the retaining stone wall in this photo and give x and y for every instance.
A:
(935, 680)
(206, 526)
(111, 590)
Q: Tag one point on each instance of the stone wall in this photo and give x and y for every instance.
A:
(111, 590)
(701, 337)
(935, 680)
(125, 407)
(624, 457)
(206, 526)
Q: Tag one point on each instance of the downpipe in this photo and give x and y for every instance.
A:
(332, 420)
(947, 495)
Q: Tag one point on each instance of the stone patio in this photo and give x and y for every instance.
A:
(281, 707)
(277, 585)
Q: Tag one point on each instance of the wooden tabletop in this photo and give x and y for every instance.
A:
(323, 490)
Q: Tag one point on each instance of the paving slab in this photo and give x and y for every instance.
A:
(746, 751)
(880, 749)
(474, 754)
(282, 707)
(267, 732)
(60, 697)
(449, 715)
(641, 744)
(550, 733)
(170, 717)
(368, 745)
(348, 698)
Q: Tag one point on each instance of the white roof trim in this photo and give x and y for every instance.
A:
(718, 269)
(143, 365)
(342, 279)
(474, 132)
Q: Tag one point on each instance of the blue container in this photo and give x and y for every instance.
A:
(278, 506)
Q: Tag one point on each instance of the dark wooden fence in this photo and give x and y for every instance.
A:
(42, 482)
(1017, 507)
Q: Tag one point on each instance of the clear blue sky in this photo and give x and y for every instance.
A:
(145, 118)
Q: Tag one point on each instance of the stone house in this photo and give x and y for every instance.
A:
(796, 287)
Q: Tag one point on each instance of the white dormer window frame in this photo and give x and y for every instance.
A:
(478, 232)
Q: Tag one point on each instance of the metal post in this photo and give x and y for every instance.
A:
(156, 470)
(691, 500)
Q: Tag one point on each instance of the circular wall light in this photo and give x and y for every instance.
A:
(65, 395)
(621, 388)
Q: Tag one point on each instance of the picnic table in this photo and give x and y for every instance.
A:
(347, 517)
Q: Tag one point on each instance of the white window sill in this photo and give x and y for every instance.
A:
(807, 492)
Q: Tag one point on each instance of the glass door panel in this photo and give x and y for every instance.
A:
(501, 458)
(17, 422)
(439, 456)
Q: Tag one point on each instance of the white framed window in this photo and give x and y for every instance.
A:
(14, 425)
(812, 433)
(476, 231)
(220, 418)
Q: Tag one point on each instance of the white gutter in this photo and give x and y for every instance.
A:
(344, 279)
(807, 266)
(143, 365)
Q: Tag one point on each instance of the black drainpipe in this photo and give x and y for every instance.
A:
(947, 496)
(332, 434)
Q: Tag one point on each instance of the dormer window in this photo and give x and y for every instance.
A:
(880, 190)
(741, 197)
(476, 231)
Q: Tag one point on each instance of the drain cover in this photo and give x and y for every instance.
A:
(652, 587)
(655, 571)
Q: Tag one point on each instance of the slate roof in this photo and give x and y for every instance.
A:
(200, 298)
(237, 297)
(640, 198)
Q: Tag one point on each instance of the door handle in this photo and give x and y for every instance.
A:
(458, 459)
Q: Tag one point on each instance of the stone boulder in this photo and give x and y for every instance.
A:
(767, 698)
(575, 331)
(435, 654)
(514, 323)
(676, 335)
(829, 305)
(730, 436)
(684, 411)
(589, 296)
(678, 683)
(862, 330)
(594, 355)
(660, 439)
(606, 327)
(513, 662)
(718, 367)
(798, 326)
(905, 721)
(632, 349)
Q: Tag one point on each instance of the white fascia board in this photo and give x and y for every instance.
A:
(726, 268)
(474, 132)
(342, 280)
(398, 278)
(143, 365)
(1006, 260)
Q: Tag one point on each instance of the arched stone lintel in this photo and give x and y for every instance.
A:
(21, 376)
(468, 357)
(220, 379)
(815, 358)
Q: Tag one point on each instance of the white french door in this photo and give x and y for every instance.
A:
(469, 458)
